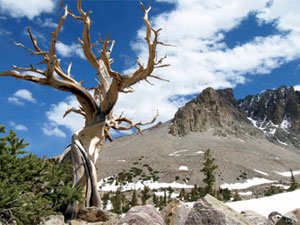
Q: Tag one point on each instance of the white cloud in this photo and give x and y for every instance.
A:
(51, 129)
(72, 122)
(69, 50)
(297, 88)
(4, 32)
(19, 127)
(48, 22)
(20, 96)
(201, 58)
(28, 8)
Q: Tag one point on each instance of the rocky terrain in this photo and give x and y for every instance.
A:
(252, 137)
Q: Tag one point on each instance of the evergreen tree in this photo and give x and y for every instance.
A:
(105, 199)
(134, 200)
(116, 202)
(145, 195)
(208, 170)
(294, 184)
(31, 187)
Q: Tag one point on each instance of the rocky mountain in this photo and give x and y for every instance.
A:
(212, 109)
(276, 113)
(237, 132)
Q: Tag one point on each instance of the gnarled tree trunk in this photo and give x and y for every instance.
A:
(97, 109)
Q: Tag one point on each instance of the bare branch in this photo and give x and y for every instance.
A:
(118, 120)
(74, 110)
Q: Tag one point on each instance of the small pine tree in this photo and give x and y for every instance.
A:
(145, 194)
(31, 187)
(116, 202)
(294, 184)
(208, 170)
(105, 199)
(134, 200)
(236, 196)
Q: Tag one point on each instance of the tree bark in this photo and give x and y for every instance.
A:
(84, 170)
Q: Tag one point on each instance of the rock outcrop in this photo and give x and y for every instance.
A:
(276, 113)
(175, 213)
(211, 109)
(141, 215)
(208, 211)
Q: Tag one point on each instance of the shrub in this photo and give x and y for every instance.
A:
(31, 187)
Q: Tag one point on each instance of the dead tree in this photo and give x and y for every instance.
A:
(96, 108)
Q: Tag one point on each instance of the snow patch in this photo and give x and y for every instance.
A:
(249, 183)
(121, 160)
(177, 153)
(282, 203)
(261, 172)
(200, 152)
(183, 168)
(103, 186)
(247, 193)
(288, 173)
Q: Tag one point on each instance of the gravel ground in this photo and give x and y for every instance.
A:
(239, 156)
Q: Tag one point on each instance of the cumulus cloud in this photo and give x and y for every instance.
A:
(51, 129)
(69, 50)
(201, 57)
(297, 87)
(19, 127)
(20, 97)
(28, 8)
(72, 122)
(48, 22)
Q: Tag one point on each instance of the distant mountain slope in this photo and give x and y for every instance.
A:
(276, 113)
(213, 120)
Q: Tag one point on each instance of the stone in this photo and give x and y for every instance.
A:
(142, 215)
(211, 109)
(287, 219)
(175, 213)
(296, 212)
(208, 211)
(53, 220)
(274, 217)
(256, 218)
(94, 214)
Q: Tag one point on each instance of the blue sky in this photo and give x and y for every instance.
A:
(246, 45)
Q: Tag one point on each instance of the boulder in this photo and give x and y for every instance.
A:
(274, 217)
(208, 211)
(94, 214)
(53, 220)
(296, 212)
(287, 219)
(256, 218)
(142, 215)
(175, 213)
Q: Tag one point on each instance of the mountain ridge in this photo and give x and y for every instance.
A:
(238, 146)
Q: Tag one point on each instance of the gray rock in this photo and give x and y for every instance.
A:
(53, 220)
(94, 214)
(256, 218)
(287, 219)
(274, 217)
(208, 211)
(175, 213)
(142, 215)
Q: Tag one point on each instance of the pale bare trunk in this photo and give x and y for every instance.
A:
(82, 154)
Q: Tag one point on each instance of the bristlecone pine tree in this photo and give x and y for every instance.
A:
(97, 109)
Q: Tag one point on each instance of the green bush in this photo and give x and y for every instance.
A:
(31, 187)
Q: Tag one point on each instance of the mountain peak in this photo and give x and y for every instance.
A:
(210, 109)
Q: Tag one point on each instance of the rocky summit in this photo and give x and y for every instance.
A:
(255, 137)
(276, 113)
